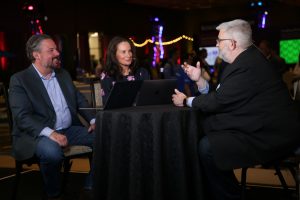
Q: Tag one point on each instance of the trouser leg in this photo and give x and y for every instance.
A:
(78, 135)
(222, 185)
(51, 157)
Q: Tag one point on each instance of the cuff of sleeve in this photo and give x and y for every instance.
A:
(46, 132)
(205, 89)
(93, 121)
(189, 101)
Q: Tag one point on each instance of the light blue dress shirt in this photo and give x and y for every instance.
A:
(203, 90)
(63, 115)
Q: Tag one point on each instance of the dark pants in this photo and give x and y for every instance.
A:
(222, 185)
(51, 157)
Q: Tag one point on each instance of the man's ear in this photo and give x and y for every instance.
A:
(233, 45)
(36, 55)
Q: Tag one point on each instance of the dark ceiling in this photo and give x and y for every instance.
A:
(204, 4)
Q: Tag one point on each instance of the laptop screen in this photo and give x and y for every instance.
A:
(122, 94)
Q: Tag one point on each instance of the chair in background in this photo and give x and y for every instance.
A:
(3, 93)
(95, 87)
(91, 89)
(84, 89)
(71, 152)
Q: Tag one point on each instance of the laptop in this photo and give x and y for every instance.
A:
(122, 94)
(156, 92)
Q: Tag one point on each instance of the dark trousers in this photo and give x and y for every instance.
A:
(222, 185)
(51, 157)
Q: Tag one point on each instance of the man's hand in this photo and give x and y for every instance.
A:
(178, 98)
(59, 138)
(92, 128)
(193, 72)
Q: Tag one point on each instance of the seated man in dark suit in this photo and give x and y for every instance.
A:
(44, 104)
(250, 116)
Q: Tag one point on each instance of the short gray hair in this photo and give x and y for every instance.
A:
(33, 44)
(239, 30)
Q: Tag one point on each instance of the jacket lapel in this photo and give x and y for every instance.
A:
(64, 88)
(40, 87)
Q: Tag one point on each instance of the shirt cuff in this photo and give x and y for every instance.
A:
(189, 101)
(205, 89)
(46, 132)
(93, 121)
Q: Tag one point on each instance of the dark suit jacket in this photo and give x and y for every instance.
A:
(251, 117)
(32, 109)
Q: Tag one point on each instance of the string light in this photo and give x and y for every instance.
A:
(163, 43)
(141, 44)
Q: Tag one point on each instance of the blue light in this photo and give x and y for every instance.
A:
(252, 4)
(263, 21)
(259, 3)
(161, 28)
(154, 56)
(156, 19)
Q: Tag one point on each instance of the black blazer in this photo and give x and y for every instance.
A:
(32, 109)
(251, 118)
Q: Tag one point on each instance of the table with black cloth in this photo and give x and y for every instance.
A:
(146, 153)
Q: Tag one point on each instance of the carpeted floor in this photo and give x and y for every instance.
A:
(31, 188)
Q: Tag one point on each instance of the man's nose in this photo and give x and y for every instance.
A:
(57, 52)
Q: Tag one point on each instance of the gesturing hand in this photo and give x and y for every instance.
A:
(178, 98)
(193, 72)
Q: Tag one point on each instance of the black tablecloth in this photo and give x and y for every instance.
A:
(147, 153)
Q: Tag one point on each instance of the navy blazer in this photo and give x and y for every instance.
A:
(251, 118)
(32, 109)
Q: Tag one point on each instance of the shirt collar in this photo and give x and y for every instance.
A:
(48, 77)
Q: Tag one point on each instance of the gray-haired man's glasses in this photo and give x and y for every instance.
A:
(220, 40)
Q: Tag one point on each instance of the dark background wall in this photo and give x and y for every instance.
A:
(67, 18)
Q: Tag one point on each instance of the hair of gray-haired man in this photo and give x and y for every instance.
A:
(238, 30)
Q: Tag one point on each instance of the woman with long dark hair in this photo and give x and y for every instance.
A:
(120, 65)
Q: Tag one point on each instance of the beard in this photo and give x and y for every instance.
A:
(223, 54)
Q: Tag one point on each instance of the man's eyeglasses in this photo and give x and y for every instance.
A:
(220, 40)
